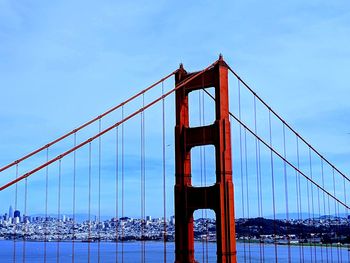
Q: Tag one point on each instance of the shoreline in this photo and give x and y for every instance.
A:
(342, 246)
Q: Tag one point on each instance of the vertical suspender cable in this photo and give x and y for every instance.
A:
(14, 229)
(203, 173)
(309, 214)
(339, 233)
(335, 213)
(116, 192)
(144, 173)
(319, 215)
(99, 194)
(286, 190)
(89, 205)
(247, 189)
(74, 192)
(201, 160)
(257, 145)
(141, 188)
(164, 174)
(261, 197)
(312, 204)
(273, 189)
(300, 202)
(46, 203)
(329, 213)
(347, 217)
(257, 180)
(205, 180)
(25, 218)
(122, 184)
(324, 202)
(241, 163)
(59, 212)
(143, 254)
(144, 178)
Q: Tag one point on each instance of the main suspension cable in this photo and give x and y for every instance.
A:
(287, 125)
(180, 85)
(87, 123)
(284, 159)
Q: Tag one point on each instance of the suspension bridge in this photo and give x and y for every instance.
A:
(233, 182)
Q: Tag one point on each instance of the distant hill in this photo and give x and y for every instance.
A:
(255, 227)
(302, 215)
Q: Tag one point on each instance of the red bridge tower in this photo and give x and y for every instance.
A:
(220, 196)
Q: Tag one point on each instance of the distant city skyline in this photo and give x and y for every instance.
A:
(84, 216)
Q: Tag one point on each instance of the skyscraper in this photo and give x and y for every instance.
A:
(11, 211)
(17, 214)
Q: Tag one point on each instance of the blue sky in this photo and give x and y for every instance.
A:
(64, 62)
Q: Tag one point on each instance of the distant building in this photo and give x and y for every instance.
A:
(172, 220)
(17, 214)
(26, 219)
(11, 211)
(148, 218)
